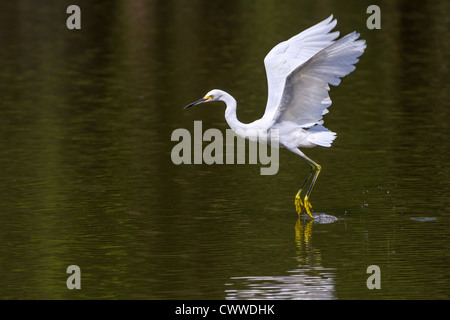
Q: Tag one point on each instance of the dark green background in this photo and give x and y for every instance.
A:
(86, 176)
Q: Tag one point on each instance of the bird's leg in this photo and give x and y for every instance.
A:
(298, 196)
(315, 168)
(306, 204)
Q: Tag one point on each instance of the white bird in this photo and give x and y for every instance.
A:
(299, 72)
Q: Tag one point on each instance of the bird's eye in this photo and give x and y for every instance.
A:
(209, 97)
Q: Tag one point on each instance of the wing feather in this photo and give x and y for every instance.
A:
(305, 96)
(285, 57)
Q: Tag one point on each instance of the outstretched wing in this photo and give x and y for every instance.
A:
(287, 56)
(305, 96)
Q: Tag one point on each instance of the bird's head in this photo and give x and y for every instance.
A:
(213, 95)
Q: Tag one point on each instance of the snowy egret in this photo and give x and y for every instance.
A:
(299, 72)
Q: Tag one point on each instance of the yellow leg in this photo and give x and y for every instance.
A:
(315, 168)
(298, 202)
(308, 207)
(298, 198)
(306, 204)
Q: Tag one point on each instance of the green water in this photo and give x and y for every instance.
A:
(86, 175)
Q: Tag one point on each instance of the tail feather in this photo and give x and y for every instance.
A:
(321, 136)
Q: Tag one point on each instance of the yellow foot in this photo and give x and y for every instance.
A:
(298, 203)
(305, 204)
(308, 207)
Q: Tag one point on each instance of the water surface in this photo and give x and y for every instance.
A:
(87, 178)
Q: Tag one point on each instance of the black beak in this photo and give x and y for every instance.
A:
(196, 102)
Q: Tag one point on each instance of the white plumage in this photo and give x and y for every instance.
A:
(299, 72)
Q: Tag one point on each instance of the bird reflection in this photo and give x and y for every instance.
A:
(309, 280)
(303, 234)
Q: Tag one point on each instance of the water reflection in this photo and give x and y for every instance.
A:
(310, 280)
(301, 283)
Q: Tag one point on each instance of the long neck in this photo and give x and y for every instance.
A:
(230, 112)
